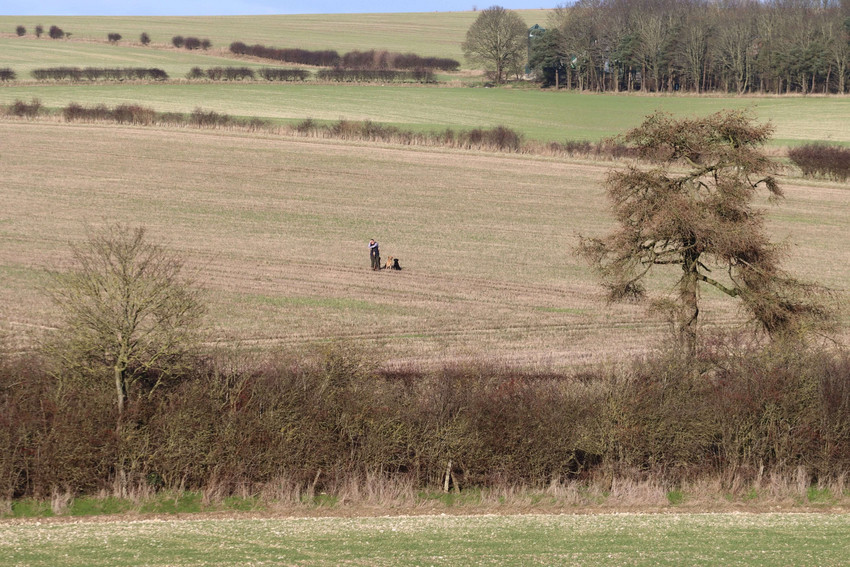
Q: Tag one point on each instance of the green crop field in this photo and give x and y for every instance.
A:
(605, 539)
(539, 115)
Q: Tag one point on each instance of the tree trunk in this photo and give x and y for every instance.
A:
(688, 292)
(121, 388)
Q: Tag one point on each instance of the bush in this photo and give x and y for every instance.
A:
(206, 44)
(144, 38)
(39, 29)
(7, 74)
(326, 58)
(275, 74)
(229, 73)
(821, 160)
(368, 75)
(133, 114)
(21, 108)
(56, 32)
(177, 41)
(75, 74)
(499, 138)
(733, 414)
(192, 43)
(21, 31)
(113, 37)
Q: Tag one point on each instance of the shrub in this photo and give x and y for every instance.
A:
(133, 114)
(96, 73)
(7, 74)
(821, 160)
(208, 119)
(56, 32)
(229, 73)
(326, 58)
(206, 44)
(370, 75)
(77, 112)
(196, 73)
(39, 29)
(500, 138)
(387, 60)
(192, 43)
(21, 31)
(113, 37)
(144, 38)
(275, 74)
(177, 41)
(21, 108)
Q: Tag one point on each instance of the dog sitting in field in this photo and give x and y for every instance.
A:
(392, 264)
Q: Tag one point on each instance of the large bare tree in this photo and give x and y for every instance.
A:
(129, 315)
(693, 210)
(497, 40)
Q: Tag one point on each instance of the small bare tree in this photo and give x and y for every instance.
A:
(127, 311)
(694, 211)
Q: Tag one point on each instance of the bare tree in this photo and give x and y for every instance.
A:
(128, 313)
(699, 218)
(497, 40)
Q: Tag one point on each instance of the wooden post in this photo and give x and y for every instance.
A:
(448, 476)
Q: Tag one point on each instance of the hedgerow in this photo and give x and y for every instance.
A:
(734, 414)
(357, 60)
(77, 74)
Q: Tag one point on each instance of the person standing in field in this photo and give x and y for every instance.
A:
(374, 255)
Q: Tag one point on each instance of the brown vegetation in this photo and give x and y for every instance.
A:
(821, 160)
(733, 416)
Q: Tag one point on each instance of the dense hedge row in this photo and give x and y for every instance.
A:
(403, 61)
(7, 74)
(370, 60)
(325, 58)
(98, 74)
(246, 73)
(371, 76)
(275, 74)
(731, 416)
(821, 160)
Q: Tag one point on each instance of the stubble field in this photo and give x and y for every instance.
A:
(276, 230)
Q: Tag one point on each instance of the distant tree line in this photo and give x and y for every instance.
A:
(743, 46)
(353, 60)
(98, 74)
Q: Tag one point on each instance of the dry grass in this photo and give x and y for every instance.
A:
(277, 230)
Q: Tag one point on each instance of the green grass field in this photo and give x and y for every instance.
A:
(539, 115)
(605, 539)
